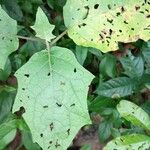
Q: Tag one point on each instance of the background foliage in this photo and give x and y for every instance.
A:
(123, 74)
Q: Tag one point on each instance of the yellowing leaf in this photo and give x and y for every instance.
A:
(42, 26)
(134, 114)
(53, 92)
(103, 23)
(133, 141)
(8, 41)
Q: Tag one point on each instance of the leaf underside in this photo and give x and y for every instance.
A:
(103, 23)
(53, 92)
(8, 42)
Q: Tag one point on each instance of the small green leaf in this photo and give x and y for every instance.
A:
(7, 139)
(31, 47)
(134, 114)
(96, 52)
(7, 132)
(108, 66)
(4, 74)
(99, 103)
(134, 141)
(103, 23)
(115, 132)
(145, 80)
(146, 54)
(146, 51)
(6, 101)
(81, 54)
(146, 107)
(42, 26)
(133, 66)
(8, 41)
(53, 91)
(118, 87)
(105, 130)
(86, 147)
(28, 143)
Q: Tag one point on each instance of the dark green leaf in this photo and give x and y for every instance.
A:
(7, 96)
(6, 71)
(118, 87)
(99, 103)
(146, 51)
(31, 47)
(108, 66)
(105, 130)
(86, 147)
(13, 9)
(133, 66)
(28, 143)
(81, 54)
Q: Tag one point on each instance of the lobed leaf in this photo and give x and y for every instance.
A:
(42, 26)
(53, 92)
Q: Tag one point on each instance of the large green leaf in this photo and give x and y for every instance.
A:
(53, 90)
(104, 23)
(134, 114)
(129, 142)
(8, 42)
(42, 26)
(118, 87)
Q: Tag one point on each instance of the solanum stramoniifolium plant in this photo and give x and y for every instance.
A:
(51, 84)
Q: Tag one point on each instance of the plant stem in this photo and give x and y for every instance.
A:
(58, 38)
(42, 40)
(38, 39)
(29, 38)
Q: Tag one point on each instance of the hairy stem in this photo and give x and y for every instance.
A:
(30, 38)
(38, 39)
(58, 38)
(42, 40)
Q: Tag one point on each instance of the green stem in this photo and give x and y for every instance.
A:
(38, 39)
(58, 38)
(43, 41)
(30, 38)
